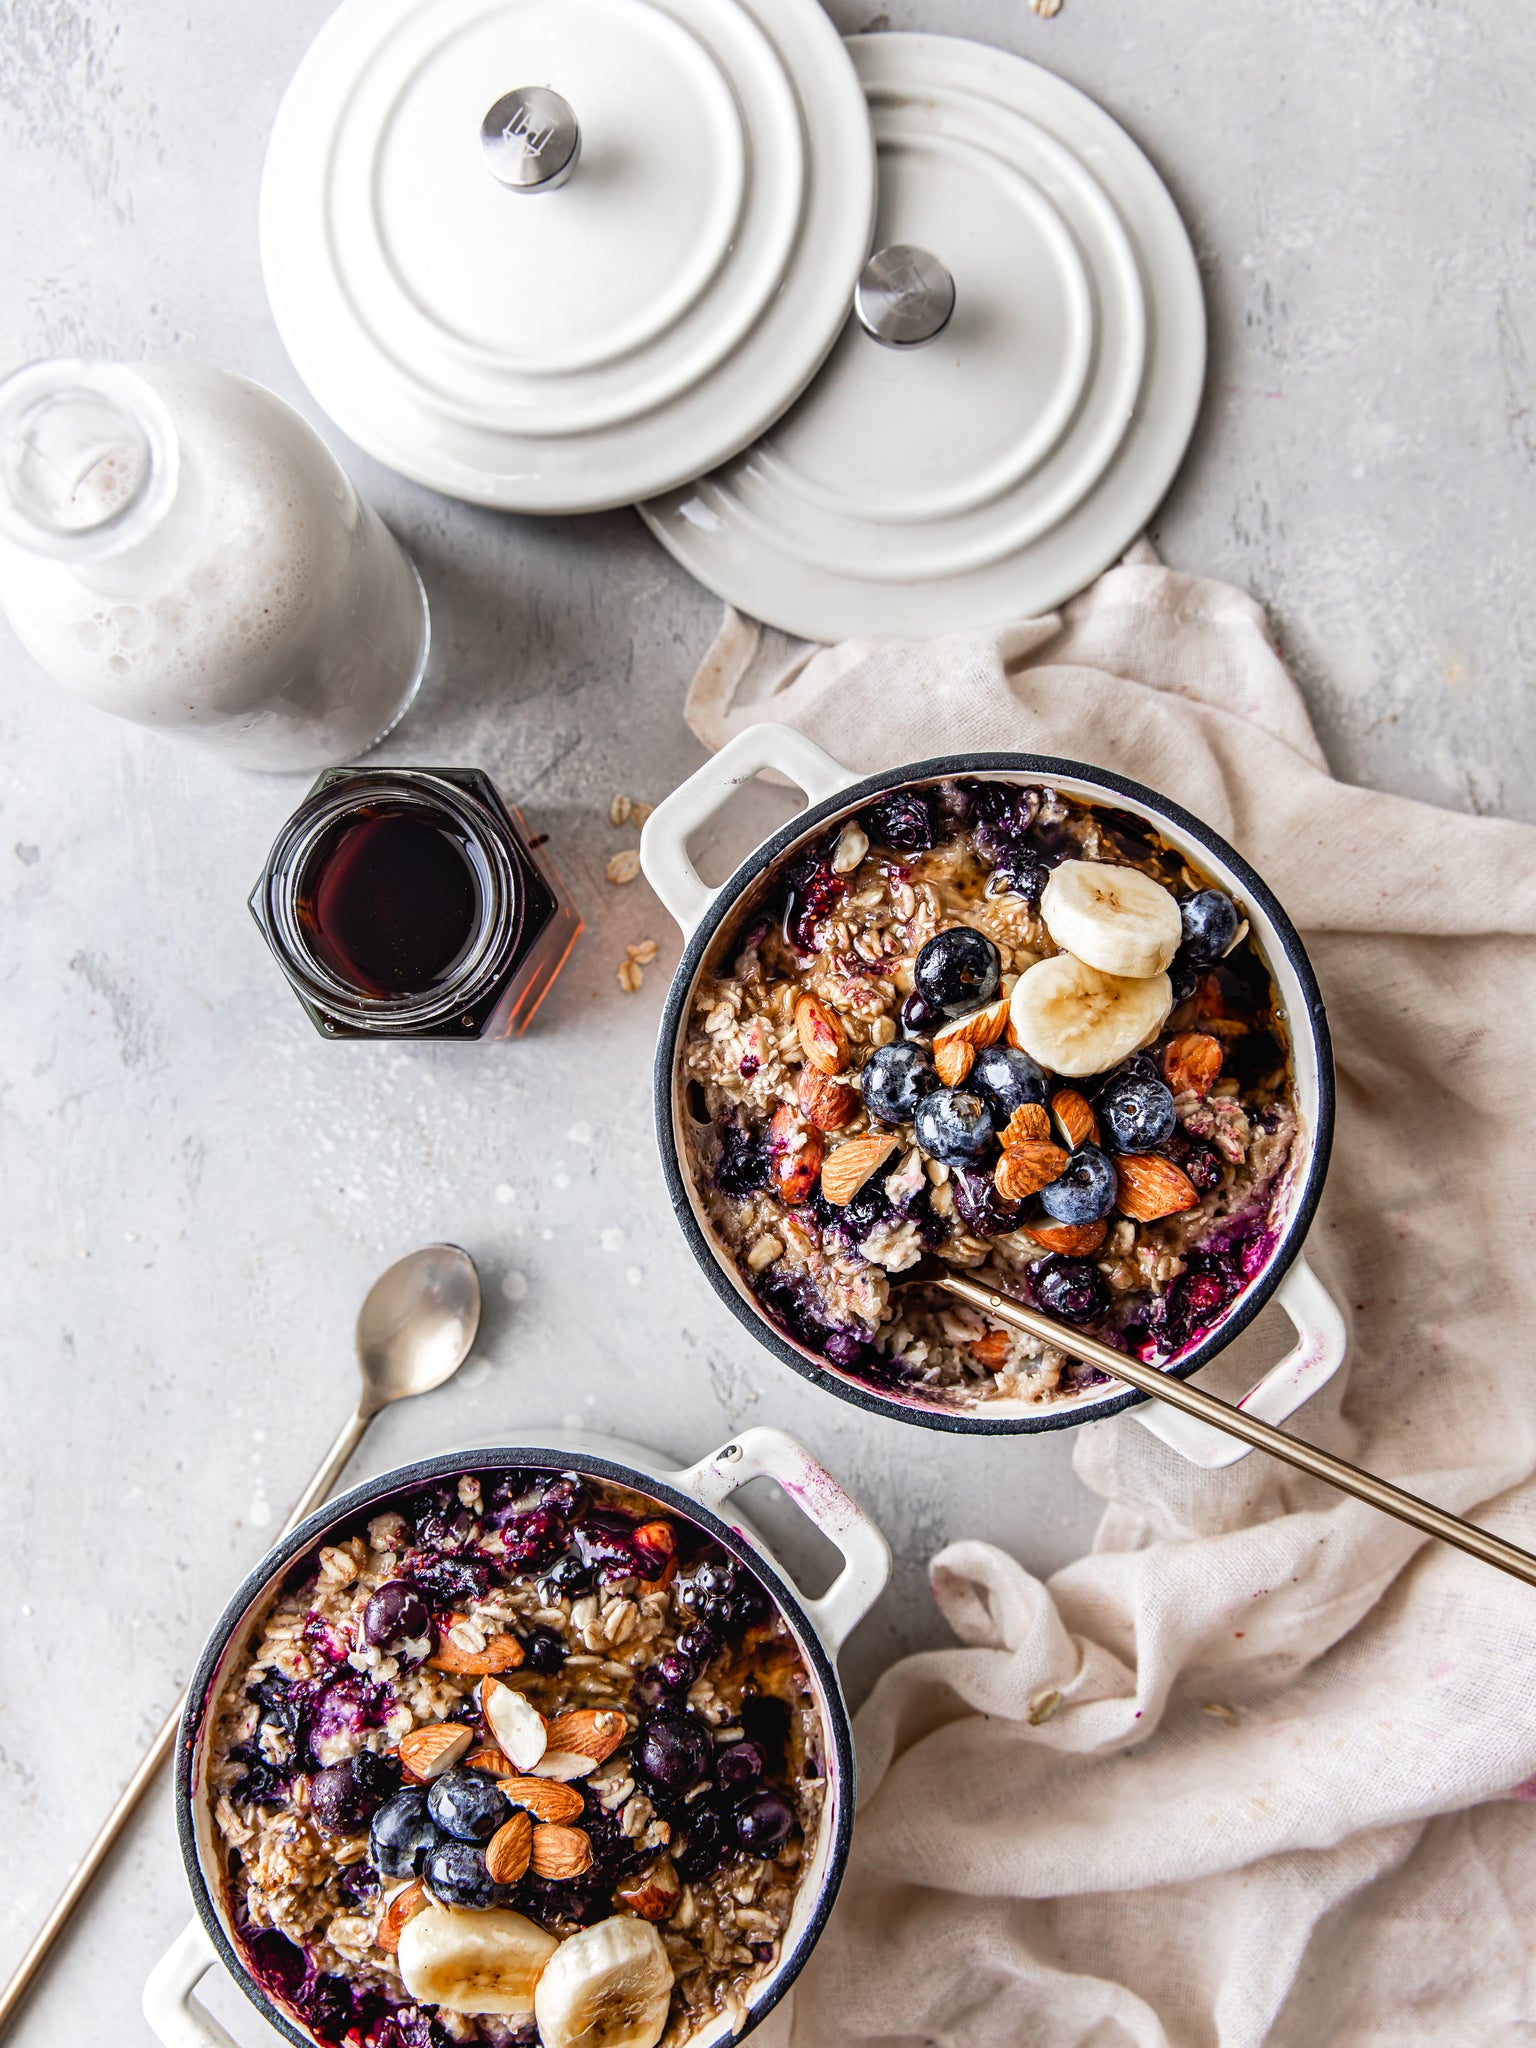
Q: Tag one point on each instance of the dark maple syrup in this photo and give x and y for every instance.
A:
(390, 900)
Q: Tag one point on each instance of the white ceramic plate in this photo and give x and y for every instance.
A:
(996, 470)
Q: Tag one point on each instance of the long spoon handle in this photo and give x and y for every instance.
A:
(1379, 1493)
(84, 1874)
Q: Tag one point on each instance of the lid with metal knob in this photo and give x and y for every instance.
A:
(1013, 392)
(556, 255)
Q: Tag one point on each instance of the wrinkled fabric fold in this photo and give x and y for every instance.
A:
(1260, 1767)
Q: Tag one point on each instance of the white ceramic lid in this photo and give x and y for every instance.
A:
(996, 468)
(567, 342)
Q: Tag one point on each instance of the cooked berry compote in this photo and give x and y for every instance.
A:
(524, 1760)
(1014, 1029)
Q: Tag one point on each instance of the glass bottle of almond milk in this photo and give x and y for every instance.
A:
(180, 547)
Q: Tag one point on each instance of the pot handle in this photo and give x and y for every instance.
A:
(1321, 1341)
(770, 1454)
(664, 841)
(174, 2015)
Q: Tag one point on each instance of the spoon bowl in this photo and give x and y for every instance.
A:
(417, 1326)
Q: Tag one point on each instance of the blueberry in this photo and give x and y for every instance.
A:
(264, 1783)
(1023, 871)
(395, 1615)
(543, 1651)
(1085, 1192)
(979, 1205)
(534, 1539)
(568, 1578)
(742, 1167)
(902, 821)
(743, 1763)
(722, 1595)
(1210, 925)
(1008, 1078)
(1202, 1165)
(402, 1836)
(674, 1754)
(1004, 815)
(919, 1019)
(955, 1126)
(814, 892)
(762, 1822)
(605, 1543)
(457, 1876)
(1137, 1111)
(958, 970)
(707, 1844)
(894, 1080)
(1070, 1288)
(468, 1805)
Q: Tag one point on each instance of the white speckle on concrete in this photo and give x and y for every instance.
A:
(580, 1134)
(562, 1178)
(505, 1192)
(612, 1239)
(259, 1513)
(634, 1275)
(514, 1285)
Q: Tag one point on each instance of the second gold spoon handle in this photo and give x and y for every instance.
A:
(1351, 1479)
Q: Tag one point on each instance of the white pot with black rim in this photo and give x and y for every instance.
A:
(700, 1495)
(835, 794)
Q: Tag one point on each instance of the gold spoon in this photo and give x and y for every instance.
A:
(1351, 1479)
(414, 1331)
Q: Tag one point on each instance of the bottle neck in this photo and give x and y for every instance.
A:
(89, 460)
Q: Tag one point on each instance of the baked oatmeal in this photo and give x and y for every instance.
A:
(524, 1760)
(1009, 1028)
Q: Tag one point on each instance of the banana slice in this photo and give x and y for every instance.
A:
(1077, 1020)
(473, 1962)
(1117, 919)
(608, 1987)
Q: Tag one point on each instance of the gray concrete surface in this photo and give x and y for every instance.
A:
(195, 1191)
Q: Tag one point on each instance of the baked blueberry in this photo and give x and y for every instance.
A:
(958, 970)
(902, 821)
(955, 1126)
(742, 1763)
(456, 1876)
(1136, 1111)
(894, 1080)
(395, 1615)
(543, 1651)
(344, 1797)
(468, 1805)
(1085, 1192)
(919, 1019)
(674, 1754)
(1210, 925)
(403, 1835)
(1070, 1288)
(979, 1205)
(1024, 872)
(1008, 1078)
(762, 1822)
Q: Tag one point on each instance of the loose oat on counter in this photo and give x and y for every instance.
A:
(1015, 1030)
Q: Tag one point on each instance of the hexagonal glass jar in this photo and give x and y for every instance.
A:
(413, 903)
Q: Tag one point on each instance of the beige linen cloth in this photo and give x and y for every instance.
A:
(1284, 1798)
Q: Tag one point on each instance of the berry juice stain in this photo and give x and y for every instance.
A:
(390, 901)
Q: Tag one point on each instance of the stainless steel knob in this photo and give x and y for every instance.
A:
(530, 140)
(904, 297)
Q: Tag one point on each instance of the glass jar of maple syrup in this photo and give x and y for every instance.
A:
(413, 903)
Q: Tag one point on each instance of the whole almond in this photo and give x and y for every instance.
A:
(822, 1037)
(654, 1894)
(1074, 1119)
(1029, 1122)
(850, 1165)
(508, 1850)
(1150, 1187)
(428, 1752)
(953, 1059)
(825, 1102)
(405, 1905)
(1025, 1169)
(1192, 1062)
(794, 1155)
(560, 1853)
(589, 1732)
(544, 1798)
(1077, 1240)
(501, 1653)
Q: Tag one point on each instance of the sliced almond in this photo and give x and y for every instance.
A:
(564, 1764)
(1077, 1240)
(822, 1037)
(501, 1653)
(794, 1155)
(544, 1798)
(1150, 1187)
(508, 1850)
(1192, 1061)
(953, 1059)
(560, 1853)
(589, 1732)
(991, 1350)
(1074, 1118)
(516, 1723)
(1029, 1123)
(848, 1167)
(825, 1102)
(405, 1905)
(428, 1752)
(490, 1760)
(1025, 1169)
(977, 1028)
(654, 1894)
